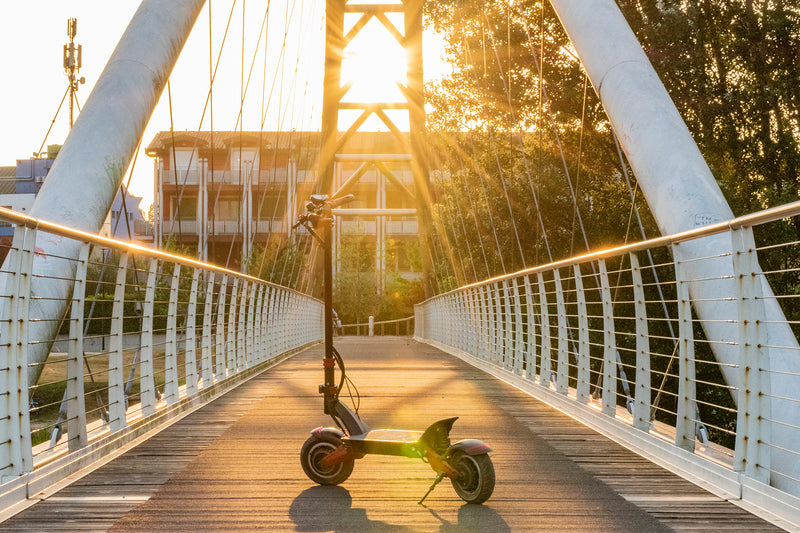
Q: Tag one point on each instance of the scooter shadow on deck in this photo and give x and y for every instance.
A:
(330, 508)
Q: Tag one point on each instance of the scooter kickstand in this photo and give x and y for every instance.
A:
(439, 477)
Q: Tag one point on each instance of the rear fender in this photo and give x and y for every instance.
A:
(469, 447)
(437, 436)
(329, 434)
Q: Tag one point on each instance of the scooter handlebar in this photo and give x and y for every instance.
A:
(347, 198)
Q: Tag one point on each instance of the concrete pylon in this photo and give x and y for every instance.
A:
(683, 194)
(87, 173)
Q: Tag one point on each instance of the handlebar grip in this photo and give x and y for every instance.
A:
(347, 198)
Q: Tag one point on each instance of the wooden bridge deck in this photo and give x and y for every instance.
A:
(234, 464)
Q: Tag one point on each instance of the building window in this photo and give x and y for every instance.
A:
(228, 208)
(270, 206)
(185, 159)
(187, 208)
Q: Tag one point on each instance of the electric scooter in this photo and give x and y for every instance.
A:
(329, 454)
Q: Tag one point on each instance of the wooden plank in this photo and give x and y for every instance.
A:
(234, 465)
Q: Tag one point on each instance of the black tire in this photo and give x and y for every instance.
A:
(476, 483)
(313, 451)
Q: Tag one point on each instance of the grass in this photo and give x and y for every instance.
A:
(47, 395)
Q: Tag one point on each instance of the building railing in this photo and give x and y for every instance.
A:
(181, 177)
(401, 227)
(613, 339)
(273, 175)
(149, 336)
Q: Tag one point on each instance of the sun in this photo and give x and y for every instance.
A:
(374, 63)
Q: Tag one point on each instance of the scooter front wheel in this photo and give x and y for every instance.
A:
(312, 453)
(476, 481)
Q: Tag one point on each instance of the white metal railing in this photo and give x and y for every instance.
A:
(613, 339)
(149, 335)
(397, 326)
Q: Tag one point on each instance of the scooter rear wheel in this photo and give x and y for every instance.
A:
(311, 455)
(476, 483)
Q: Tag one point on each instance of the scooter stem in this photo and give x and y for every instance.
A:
(329, 387)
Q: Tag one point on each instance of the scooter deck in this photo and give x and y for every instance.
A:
(387, 442)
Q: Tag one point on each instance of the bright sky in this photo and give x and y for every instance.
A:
(288, 96)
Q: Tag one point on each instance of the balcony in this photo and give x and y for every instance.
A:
(267, 226)
(186, 227)
(273, 175)
(224, 227)
(307, 176)
(359, 227)
(181, 177)
(401, 227)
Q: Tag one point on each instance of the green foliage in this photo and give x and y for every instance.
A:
(730, 67)
(356, 293)
(280, 260)
(538, 176)
(732, 70)
(537, 148)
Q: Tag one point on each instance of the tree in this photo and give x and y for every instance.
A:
(540, 157)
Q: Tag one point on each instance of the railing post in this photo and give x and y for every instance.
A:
(76, 405)
(685, 424)
(250, 352)
(20, 457)
(584, 361)
(190, 350)
(147, 384)
(609, 345)
(258, 326)
(241, 330)
(232, 336)
(171, 347)
(268, 312)
(497, 315)
(751, 454)
(284, 299)
(530, 347)
(220, 346)
(475, 323)
(641, 406)
(546, 363)
(271, 322)
(117, 402)
(562, 377)
(205, 358)
(508, 322)
(463, 321)
(519, 345)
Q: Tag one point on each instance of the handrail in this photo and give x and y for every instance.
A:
(142, 343)
(616, 344)
(379, 322)
(21, 219)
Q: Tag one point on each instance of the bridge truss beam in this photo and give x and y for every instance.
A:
(410, 38)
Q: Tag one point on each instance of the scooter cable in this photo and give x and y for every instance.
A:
(345, 380)
(340, 362)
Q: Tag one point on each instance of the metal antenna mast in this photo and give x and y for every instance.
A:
(73, 58)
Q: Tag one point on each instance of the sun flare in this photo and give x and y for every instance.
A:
(374, 63)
